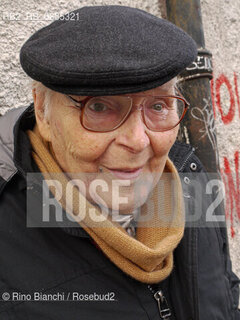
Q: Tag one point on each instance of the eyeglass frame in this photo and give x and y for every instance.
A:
(84, 102)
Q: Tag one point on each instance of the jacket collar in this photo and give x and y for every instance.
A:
(7, 122)
(22, 148)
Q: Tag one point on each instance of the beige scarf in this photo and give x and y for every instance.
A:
(148, 257)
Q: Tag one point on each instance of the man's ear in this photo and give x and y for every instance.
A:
(41, 119)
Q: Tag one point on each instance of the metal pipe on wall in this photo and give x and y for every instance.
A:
(198, 127)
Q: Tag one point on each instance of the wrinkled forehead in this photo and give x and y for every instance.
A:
(166, 88)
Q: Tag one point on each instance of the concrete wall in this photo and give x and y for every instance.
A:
(18, 20)
(221, 25)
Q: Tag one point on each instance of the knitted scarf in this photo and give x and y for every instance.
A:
(148, 257)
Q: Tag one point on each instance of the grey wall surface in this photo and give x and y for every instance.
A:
(221, 26)
(19, 19)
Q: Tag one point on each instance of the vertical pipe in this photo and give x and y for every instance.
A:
(198, 127)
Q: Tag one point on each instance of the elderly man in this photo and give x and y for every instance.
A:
(101, 135)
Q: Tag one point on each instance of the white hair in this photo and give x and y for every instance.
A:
(48, 93)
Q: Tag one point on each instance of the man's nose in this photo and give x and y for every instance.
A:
(133, 133)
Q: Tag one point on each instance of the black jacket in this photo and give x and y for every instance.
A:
(64, 261)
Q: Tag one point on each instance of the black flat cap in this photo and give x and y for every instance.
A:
(107, 50)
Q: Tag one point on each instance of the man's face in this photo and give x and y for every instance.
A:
(131, 153)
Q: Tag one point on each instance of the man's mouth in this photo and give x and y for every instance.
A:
(126, 173)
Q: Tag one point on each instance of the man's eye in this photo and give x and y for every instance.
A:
(98, 107)
(159, 106)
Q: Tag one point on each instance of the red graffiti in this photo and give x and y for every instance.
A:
(222, 80)
(232, 202)
(230, 173)
(229, 116)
